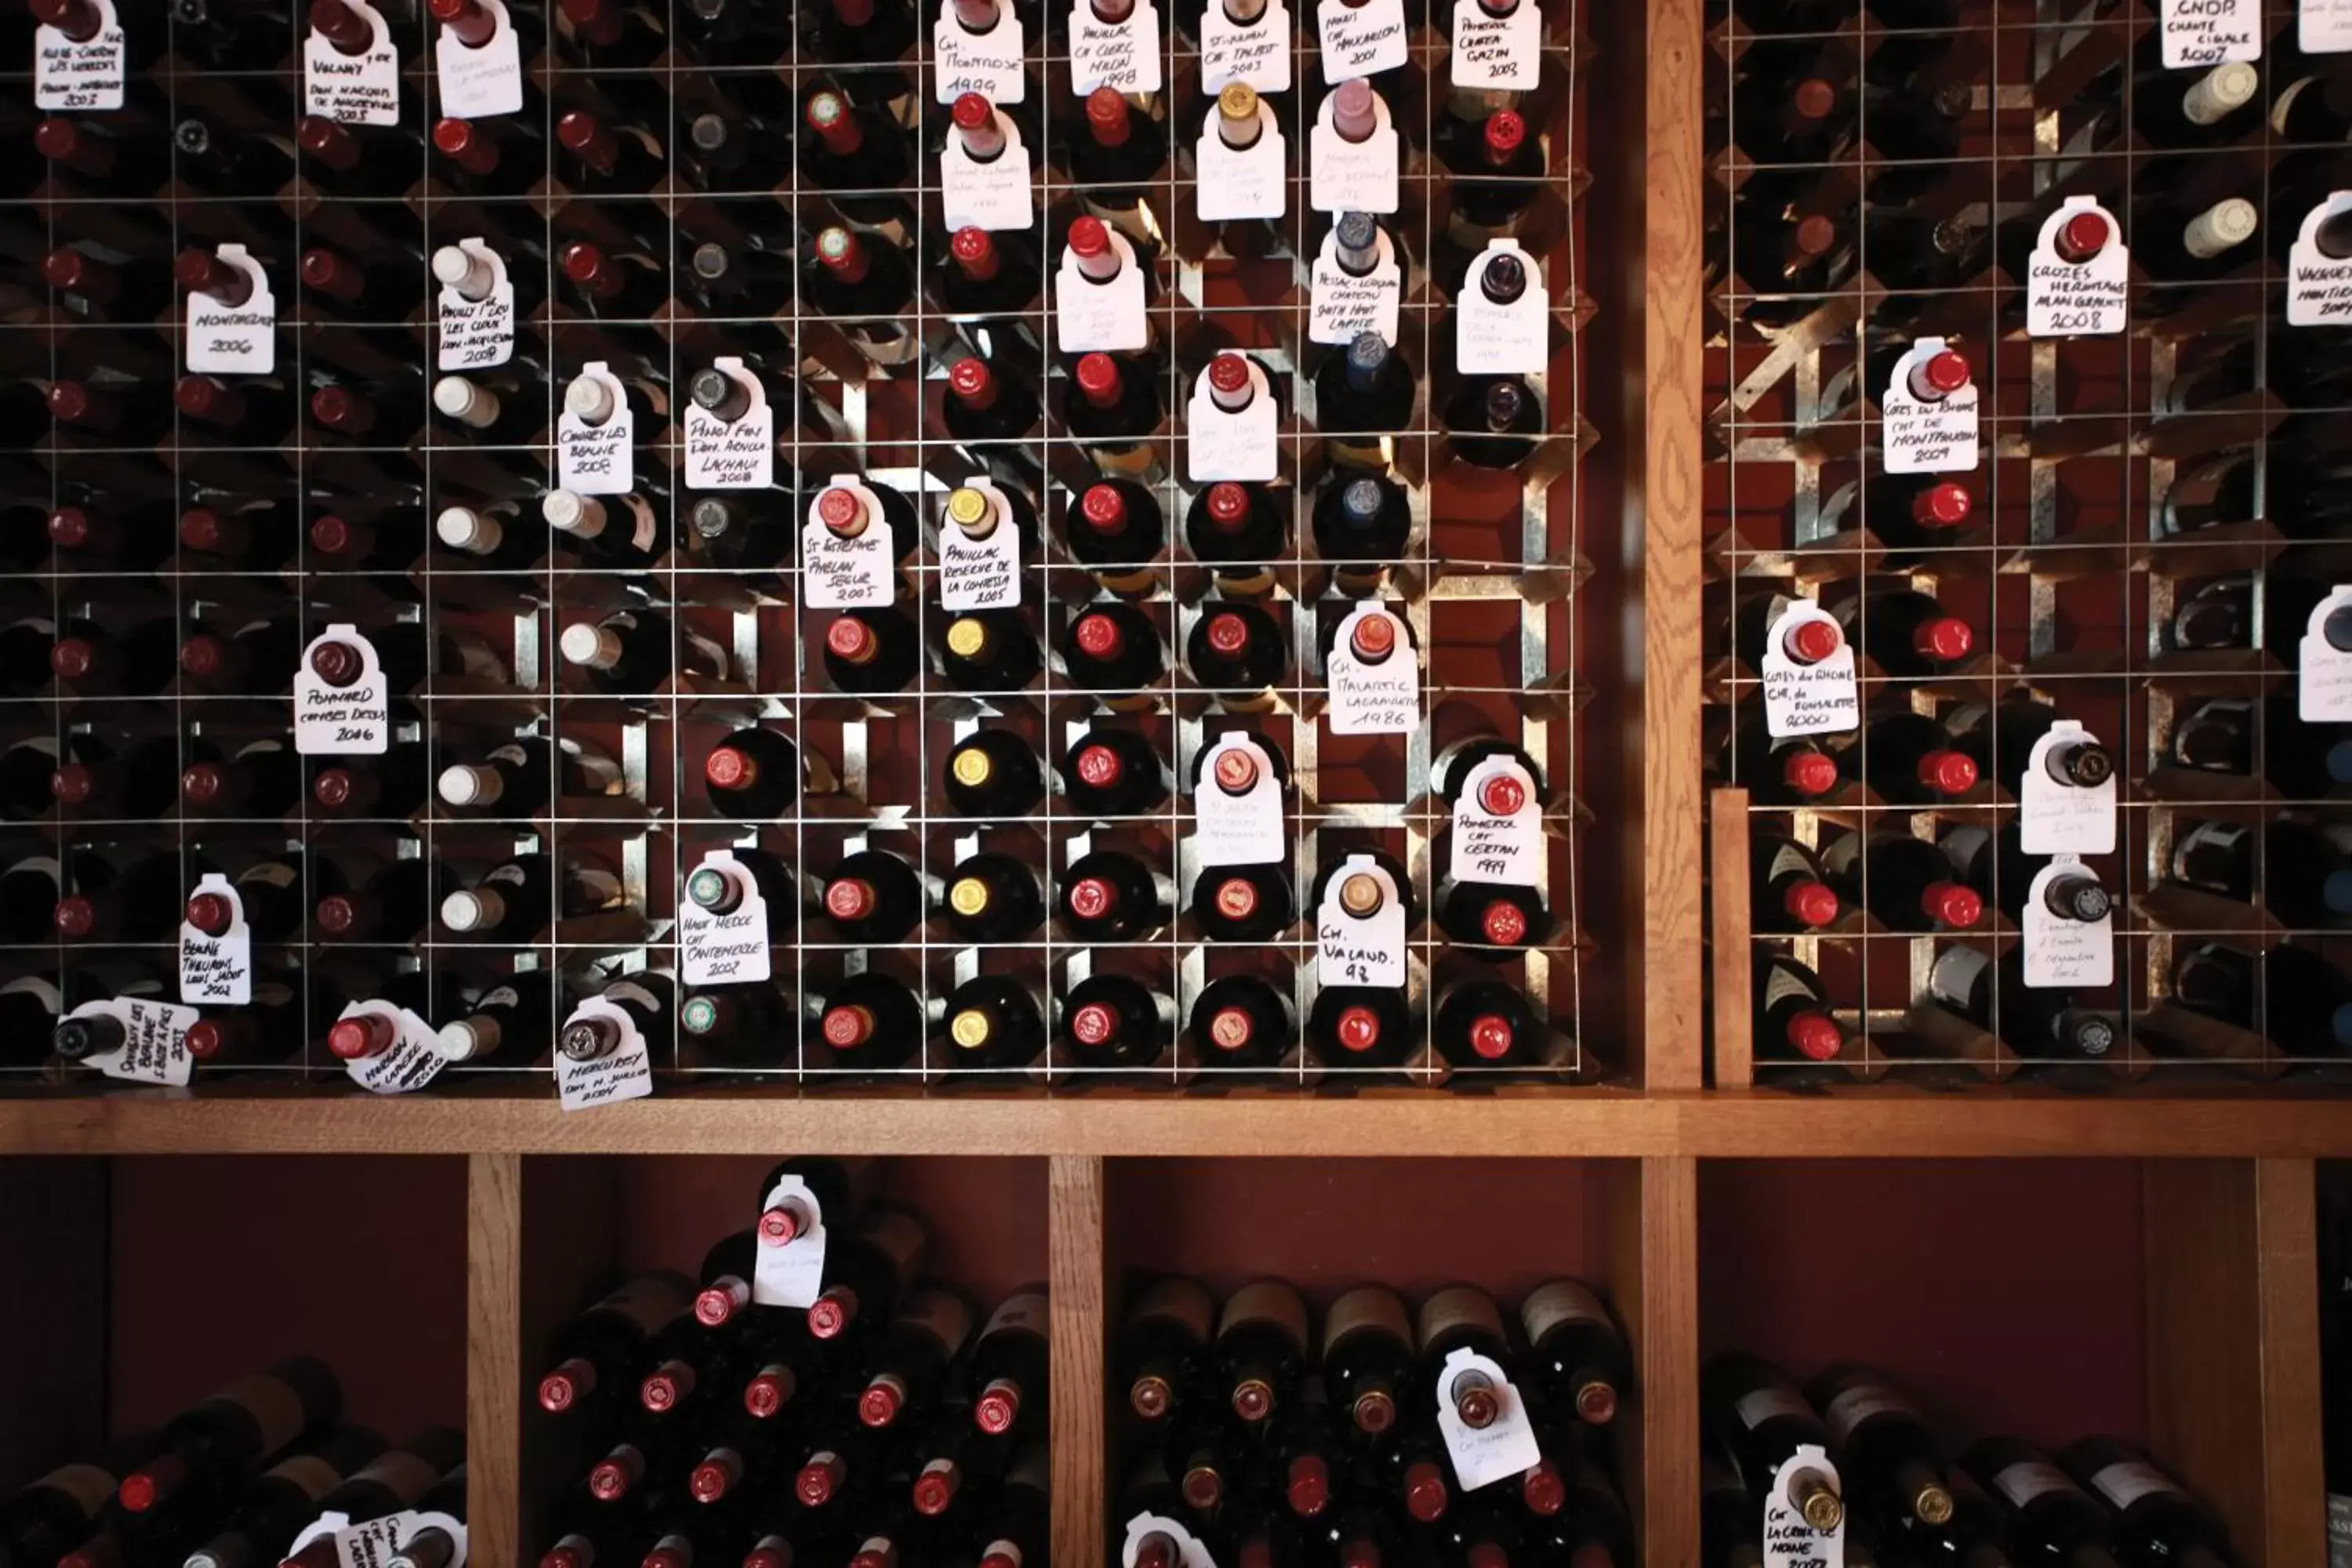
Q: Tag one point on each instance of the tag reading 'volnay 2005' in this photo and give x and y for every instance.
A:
(234, 340)
(79, 74)
(356, 89)
(2199, 33)
(217, 971)
(1123, 56)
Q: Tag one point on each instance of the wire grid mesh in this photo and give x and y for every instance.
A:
(836, 413)
(2070, 571)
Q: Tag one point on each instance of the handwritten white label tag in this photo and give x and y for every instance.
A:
(371, 1542)
(352, 720)
(995, 195)
(988, 63)
(736, 455)
(1258, 53)
(357, 89)
(414, 1060)
(1088, 315)
(1505, 849)
(1189, 1552)
(980, 574)
(2324, 27)
(1919, 437)
(478, 333)
(1381, 698)
(791, 1275)
(1360, 39)
(1366, 952)
(1496, 53)
(1502, 1448)
(723, 950)
(88, 75)
(1342, 307)
(625, 1072)
(2324, 677)
(217, 970)
(1242, 183)
(1501, 340)
(1238, 829)
(420, 1520)
(156, 1040)
(1122, 55)
(2201, 33)
(1808, 698)
(2055, 819)
(839, 573)
(1352, 176)
(2077, 300)
(2061, 954)
(1247, 446)
(598, 459)
(1788, 1541)
(478, 83)
(234, 340)
(2318, 286)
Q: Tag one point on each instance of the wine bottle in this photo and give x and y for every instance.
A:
(596, 1358)
(1243, 903)
(1787, 888)
(1906, 632)
(871, 652)
(992, 772)
(911, 1357)
(868, 1023)
(1793, 1020)
(1113, 406)
(1111, 772)
(1757, 1413)
(1906, 882)
(1886, 1457)
(1241, 1023)
(993, 1024)
(1910, 759)
(2040, 1023)
(992, 898)
(867, 1268)
(1114, 1023)
(210, 1445)
(2050, 1518)
(1367, 1358)
(874, 898)
(1360, 1027)
(1259, 1354)
(989, 651)
(1163, 1346)
(1577, 1360)
(1113, 648)
(1486, 1024)
(1010, 1365)
(1463, 1317)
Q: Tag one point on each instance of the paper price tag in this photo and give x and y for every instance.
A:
(414, 1060)
(2061, 954)
(980, 574)
(357, 89)
(1369, 950)
(375, 1542)
(1788, 1541)
(1220, 445)
(326, 1524)
(1808, 698)
(421, 1520)
(791, 1275)
(1088, 315)
(987, 63)
(478, 83)
(598, 459)
(1238, 829)
(234, 340)
(478, 333)
(2318, 286)
(2324, 681)
(1189, 1552)
(2324, 27)
(723, 950)
(1342, 306)
(156, 1040)
(2201, 33)
(2055, 819)
(1361, 37)
(736, 455)
(995, 195)
(1496, 53)
(2065, 299)
(352, 720)
(626, 1072)
(1352, 176)
(1502, 847)
(1256, 52)
(1122, 55)
(839, 573)
(1245, 183)
(1381, 698)
(1502, 339)
(1503, 1449)
(1920, 437)
(217, 970)
(69, 75)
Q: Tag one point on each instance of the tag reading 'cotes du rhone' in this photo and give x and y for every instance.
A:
(2324, 674)
(791, 1274)
(2062, 953)
(1928, 412)
(1790, 1540)
(358, 86)
(722, 925)
(234, 337)
(1819, 697)
(2056, 815)
(2199, 33)
(2078, 281)
(1359, 941)
(217, 959)
(1123, 56)
(475, 307)
(988, 63)
(737, 453)
(624, 1072)
(481, 76)
(1237, 805)
(2319, 263)
(81, 66)
(342, 704)
(595, 435)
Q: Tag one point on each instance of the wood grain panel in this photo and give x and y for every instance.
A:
(1652, 1238)
(2205, 1341)
(2295, 1508)
(1731, 970)
(494, 1359)
(1080, 1494)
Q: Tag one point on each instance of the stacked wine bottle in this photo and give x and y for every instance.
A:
(2026, 613)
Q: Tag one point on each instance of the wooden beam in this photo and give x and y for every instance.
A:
(1729, 940)
(1079, 1488)
(2295, 1510)
(1652, 1223)
(493, 1360)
